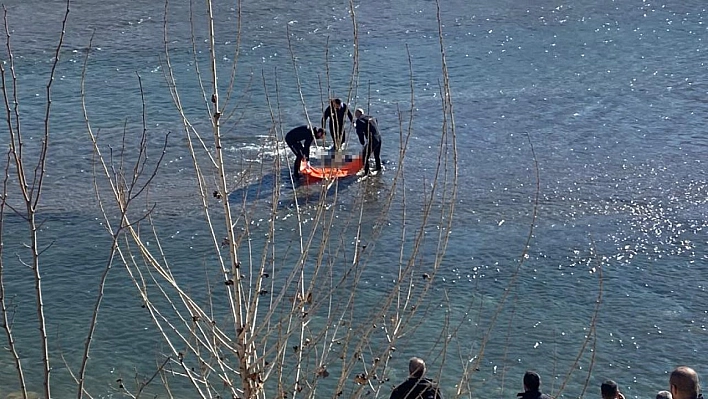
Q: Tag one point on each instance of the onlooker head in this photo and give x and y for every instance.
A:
(610, 390)
(416, 367)
(532, 387)
(532, 381)
(663, 395)
(683, 383)
(417, 386)
(359, 112)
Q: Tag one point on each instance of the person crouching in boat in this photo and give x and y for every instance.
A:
(299, 140)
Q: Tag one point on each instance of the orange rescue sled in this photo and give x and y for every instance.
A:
(330, 172)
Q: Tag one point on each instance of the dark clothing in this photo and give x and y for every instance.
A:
(369, 137)
(417, 388)
(336, 123)
(532, 395)
(299, 140)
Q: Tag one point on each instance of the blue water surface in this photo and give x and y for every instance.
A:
(605, 100)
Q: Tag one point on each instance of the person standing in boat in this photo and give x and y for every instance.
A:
(299, 140)
(368, 131)
(335, 113)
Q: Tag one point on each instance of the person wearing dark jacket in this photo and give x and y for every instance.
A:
(299, 140)
(417, 386)
(368, 131)
(532, 387)
(335, 112)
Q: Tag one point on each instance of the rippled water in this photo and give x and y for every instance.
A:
(611, 95)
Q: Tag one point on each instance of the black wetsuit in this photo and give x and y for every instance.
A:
(299, 140)
(336, 123)
(369, 137)
(417, 388)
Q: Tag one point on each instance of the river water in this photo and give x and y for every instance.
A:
(606, 98)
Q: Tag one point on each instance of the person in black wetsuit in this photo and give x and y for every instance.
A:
(532, 387)
(417, 386)
(299, 140)
(335, 112)
(368, 131)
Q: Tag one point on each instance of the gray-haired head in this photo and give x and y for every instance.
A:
(359, 112)
(663, 395)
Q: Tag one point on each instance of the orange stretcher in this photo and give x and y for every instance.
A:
(330, 172)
